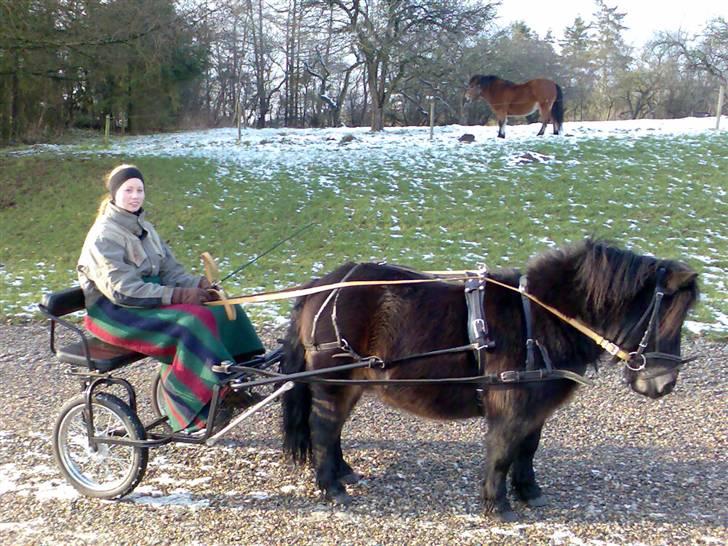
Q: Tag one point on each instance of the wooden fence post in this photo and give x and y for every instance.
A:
(432, 116)
(107, 128)
(238, 114)
(719, 108)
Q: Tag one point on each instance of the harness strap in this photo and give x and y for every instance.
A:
(477, 325)
(335, 295)
(530, 340)
(458, 349)
(503, 379)
(610, 347)
(327, 346)
(604, 343)
(297, 291)
(526, 303)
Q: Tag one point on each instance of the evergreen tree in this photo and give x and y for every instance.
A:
(576, 52)
(611, 55)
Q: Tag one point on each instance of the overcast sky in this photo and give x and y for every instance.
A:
(644, 17)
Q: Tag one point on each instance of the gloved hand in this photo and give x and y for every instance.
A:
(195, 296)
(204, 283)
(212, 294)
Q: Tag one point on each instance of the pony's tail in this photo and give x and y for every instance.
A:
(557, 110)
(297, 401)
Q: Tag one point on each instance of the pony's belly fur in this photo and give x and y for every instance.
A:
(522, 109)
(437, 402)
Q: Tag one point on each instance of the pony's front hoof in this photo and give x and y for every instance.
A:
(502, 511)
(351, 478)
(537, 502)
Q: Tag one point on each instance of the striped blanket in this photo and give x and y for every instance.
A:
(188, 340)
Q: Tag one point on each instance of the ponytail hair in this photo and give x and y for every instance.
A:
(102, 206)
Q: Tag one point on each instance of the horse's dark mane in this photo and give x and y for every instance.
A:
(599, 277)
(485, 81)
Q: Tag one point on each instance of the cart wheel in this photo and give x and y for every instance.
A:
(111, 471)
(157, 397)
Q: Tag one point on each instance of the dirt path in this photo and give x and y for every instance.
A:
(618, 469)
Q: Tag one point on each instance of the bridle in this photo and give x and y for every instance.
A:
(639, 359)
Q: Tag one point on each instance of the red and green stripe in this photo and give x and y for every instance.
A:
(185, 337)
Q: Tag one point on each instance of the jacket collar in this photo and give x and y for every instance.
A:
(136, 224)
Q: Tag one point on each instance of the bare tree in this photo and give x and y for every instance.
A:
(388, 37)
(706, 53)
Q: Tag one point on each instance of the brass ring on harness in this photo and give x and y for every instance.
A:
(641, 366)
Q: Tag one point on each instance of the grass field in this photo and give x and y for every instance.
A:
(425, 207)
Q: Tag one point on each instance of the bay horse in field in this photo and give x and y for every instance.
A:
(606, 288)
(519, 99)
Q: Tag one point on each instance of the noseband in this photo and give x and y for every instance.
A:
(639, 359)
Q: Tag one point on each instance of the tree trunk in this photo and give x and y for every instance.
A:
(377, 110)
(14, 100)
(719, 106)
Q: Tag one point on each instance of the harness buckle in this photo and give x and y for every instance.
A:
(479, 325)
(509, 376)
(610, 347)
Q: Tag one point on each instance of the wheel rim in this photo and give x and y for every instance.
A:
(159, 394)
(107, 468)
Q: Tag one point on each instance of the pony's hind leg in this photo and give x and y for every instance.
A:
(545, 118)
(502, 120)
(523, 478)
(330, 409)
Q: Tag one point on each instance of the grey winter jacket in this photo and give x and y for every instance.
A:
(121, 249)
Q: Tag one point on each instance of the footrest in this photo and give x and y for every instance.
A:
(260, 361)
(104, 357)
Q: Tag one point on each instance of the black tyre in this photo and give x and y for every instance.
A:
(157, 397)
(111, 471)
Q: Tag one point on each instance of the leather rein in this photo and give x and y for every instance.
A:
(635, 361)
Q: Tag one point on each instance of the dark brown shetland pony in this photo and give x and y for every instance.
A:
(519, 99)
(602, 286)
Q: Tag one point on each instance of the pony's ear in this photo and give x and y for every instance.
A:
(679, 276)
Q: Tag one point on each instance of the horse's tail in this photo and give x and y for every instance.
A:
(297, 401)
(557, 110)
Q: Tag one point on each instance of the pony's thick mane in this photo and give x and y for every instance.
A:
(607, 278)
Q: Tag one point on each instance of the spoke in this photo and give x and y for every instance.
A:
(110, 464)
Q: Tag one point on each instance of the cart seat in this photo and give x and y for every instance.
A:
(102, 356)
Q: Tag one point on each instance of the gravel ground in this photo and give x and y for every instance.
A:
(617, 468)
